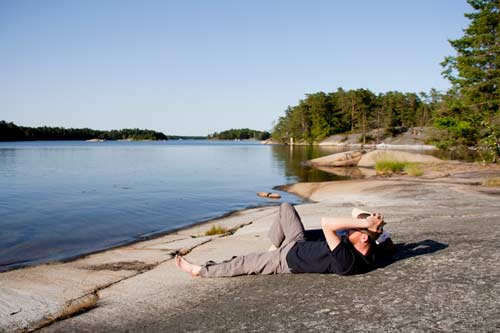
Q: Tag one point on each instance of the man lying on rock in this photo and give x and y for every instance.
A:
(346, 246)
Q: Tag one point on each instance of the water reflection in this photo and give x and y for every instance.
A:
(460, 154)
(291, 158)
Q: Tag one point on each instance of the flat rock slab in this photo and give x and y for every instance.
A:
(445, 276)
(33, 297)
(347, 158)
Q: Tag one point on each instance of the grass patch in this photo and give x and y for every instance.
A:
(414, 169)
(492, 182)
(389, 167)
(216, 230)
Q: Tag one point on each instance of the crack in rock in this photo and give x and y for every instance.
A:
(134, 265)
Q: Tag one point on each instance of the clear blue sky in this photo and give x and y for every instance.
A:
(195, 67)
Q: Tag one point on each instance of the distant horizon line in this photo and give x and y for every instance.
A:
(123, 128)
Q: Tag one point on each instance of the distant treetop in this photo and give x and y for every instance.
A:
(240, 134)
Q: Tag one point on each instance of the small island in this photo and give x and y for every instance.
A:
(240, 134)
(12, 132)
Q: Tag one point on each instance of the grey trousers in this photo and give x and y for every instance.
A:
(285, 231)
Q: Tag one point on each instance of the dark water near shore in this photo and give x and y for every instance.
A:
(59, 200)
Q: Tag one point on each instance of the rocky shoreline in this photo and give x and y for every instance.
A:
(415, 138)
(137, 287)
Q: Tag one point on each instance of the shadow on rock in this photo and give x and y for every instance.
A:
(408, 250)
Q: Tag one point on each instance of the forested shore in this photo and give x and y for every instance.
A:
(466, 117)
(12, 132)
(323, 114)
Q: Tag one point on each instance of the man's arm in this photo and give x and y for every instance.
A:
(332, 224)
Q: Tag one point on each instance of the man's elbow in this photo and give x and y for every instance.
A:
(331, 223)
(325, 223)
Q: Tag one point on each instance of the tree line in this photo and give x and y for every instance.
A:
(12, 132)
(466, 117)
(323, 114)
(240, 134)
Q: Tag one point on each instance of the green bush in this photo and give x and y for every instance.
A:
(368, 138)
(465, 132)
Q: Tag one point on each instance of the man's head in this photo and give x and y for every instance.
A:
(365, 239)
(362, 239)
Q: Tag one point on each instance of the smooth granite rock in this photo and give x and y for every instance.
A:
(445, 277)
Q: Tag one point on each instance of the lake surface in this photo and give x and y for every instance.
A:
(62, 199)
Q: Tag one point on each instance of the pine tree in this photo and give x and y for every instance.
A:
(475, 75)
(475, 70)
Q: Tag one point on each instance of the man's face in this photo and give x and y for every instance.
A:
(356, 236)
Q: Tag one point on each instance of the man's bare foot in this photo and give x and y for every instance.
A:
(186, 266)
(272, 248)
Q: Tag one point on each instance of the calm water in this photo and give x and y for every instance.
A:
(59, 200)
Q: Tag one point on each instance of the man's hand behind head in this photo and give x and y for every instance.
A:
(376, 222)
